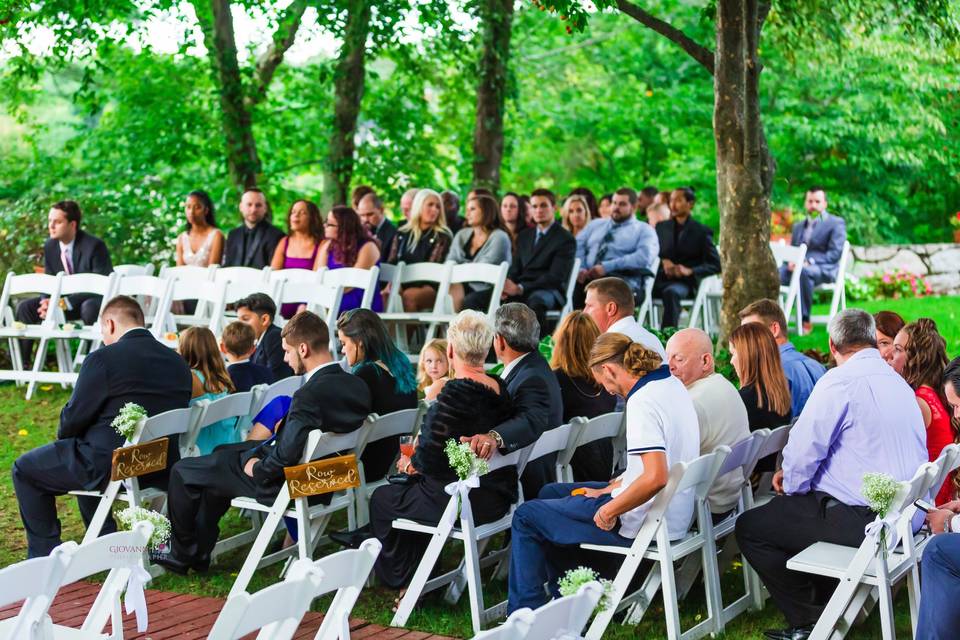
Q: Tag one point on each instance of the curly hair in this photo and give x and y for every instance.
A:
(618, 349)
(926, 355)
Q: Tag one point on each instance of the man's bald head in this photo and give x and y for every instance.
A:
(690, 355)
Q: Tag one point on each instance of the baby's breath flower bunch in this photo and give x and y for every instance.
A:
(573, 579)
(463, 460)
(879, 489)
(129, 517)
(126, 421)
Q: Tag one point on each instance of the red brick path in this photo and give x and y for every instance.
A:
(187, 617)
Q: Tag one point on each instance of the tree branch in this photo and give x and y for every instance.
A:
(283, 37)
(696, 51)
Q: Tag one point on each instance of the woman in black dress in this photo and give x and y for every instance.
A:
(582, 396)
(763, 385)
(470, 403)
(425, 238)
(388, 373)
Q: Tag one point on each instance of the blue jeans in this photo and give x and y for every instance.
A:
(940, 589)
(554, 519)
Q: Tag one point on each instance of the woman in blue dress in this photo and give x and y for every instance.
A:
(349, 244)
(198, 347)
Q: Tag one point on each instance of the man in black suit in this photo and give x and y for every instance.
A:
(535, 392)
(201, 488)
(258, 311)
(687, 255)
(542, 261)
(252, 244)
(370, 209)
(71, 250)
(131, 367)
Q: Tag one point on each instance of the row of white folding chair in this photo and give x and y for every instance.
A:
(870, 568)
(277, 610)
(704, 307)
(583, 432)
(785, 254)
(125, 270)
(561, 618)
(653, 543)
(38, 580)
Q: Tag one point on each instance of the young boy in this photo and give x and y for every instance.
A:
(258, 311)
(237, 344)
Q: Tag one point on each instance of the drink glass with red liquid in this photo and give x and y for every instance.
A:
(406, 446)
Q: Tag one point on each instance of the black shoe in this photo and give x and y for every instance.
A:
(790, 633)
(352, 539)
(172, 564)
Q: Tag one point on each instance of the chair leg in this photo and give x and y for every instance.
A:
(886, 612)
(651, 584)
(474, 586)
(419, 581)
(671, 609)
(620, 585)
(103, 510)
(37, 365)
(455, 588)
(256, 552)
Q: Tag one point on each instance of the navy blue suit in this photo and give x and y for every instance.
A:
(135, 369)
(246, 375)
(269, 353)
(823, 255)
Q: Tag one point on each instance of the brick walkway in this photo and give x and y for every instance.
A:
(187, 617)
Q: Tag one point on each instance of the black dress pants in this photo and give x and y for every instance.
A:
(672, 292)
(770, 535)
(54, 470)
(199, 495)
(84, 308)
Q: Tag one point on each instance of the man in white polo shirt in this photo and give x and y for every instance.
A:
(610, 303)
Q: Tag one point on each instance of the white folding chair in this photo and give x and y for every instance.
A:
(553, 314)
(155, 296)
(88, 335)
(494, 275)
(515, 627)
(122, 554)
(187, 272)
(127, 270)
(790, 294)
(584, 432)
(352, 278)
(169, 424)
(705, 309)
(838, 289)
(243, 281)
(474, 540)
(772, 444)
(947, 461)
(235, 405)
(345, 572)
(390, 277)
(36, 581)
(391, 425)
(324, 300)
(398, 319)
(647, 314)
(289, 286)
(561, 618)
(31, 284)
(312, 520)
(211, 304)
(266, 393)
(653, 543)
(276, 610)
(870, 568)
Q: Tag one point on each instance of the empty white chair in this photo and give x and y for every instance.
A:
(126, 270)
(790, 294)
(243, 281)
(352, 278)
(30, 284)
(398, 319)
(36, 581)
(571, 284)
(838, 288)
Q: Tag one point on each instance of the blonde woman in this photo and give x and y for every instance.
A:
(575, 214)
(425, 238)
(433, 370)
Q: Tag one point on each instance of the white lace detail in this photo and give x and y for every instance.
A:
(202, 257)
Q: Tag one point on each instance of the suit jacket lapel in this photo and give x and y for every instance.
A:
(537, 246)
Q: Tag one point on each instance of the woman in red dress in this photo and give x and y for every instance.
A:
(920, 356)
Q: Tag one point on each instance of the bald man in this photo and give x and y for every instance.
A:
(720, 411)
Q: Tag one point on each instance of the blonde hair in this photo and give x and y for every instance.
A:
(759, 358)
(199, 348)
(572, 342)
(618, 349)
(413, 226)
(471, 336)
(565, 211)
(437, 345)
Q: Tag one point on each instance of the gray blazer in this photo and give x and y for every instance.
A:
(826, 242)
(495, 250)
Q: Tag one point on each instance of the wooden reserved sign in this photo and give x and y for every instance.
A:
(322, 476)
(139, 459)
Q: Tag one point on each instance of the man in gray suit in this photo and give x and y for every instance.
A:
(824, 234)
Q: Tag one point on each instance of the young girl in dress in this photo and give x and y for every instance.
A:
(434, 368)
(199, 348)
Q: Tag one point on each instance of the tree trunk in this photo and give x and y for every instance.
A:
(744, 165)
(348, 94)
(243, 162)
(496, 17)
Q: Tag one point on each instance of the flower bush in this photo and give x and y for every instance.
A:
(888, 285)
(955, 220)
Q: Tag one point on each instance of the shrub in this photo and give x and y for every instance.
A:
(888, 285)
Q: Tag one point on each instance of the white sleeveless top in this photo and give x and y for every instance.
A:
(202, 257)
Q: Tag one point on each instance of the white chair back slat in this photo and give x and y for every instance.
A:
(647, 314)
(240, 282)
(285, 387)
(127, 270)
(113, 551)
(234, 405)
(775, 442)
(87, 283)
(566, 617)
(29, 284)
(324, 300)
(291, 285)
(352, 278)
(154, 294)
(742, 454)
(947, 461)
(188, 272)
(398, 423)
(494, 275)
(552, 441)
(169, 423)
(322, 444)
(36, 581)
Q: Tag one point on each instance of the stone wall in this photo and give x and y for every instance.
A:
(939, 264)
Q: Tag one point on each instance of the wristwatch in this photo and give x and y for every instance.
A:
(499, 439)
(952, 525)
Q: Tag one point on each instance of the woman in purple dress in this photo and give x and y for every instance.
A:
(349, 244)
(298, 250)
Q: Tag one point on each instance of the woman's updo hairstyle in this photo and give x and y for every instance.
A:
(620, 350)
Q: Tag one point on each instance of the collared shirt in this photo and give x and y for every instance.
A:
(632, 248)
(802, 373)
(507, 368)
(309, 374)
(67, 250)
(629, 327)
(244, 361)
(660, 417)
(862, 417)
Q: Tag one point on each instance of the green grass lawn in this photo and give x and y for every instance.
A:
(26, 425)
